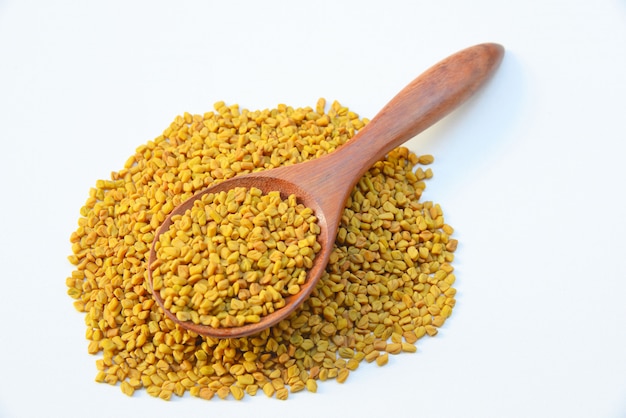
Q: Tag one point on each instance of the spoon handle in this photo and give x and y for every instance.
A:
(427, 99)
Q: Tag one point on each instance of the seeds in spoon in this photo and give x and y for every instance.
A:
(235, 256)
(380, 282)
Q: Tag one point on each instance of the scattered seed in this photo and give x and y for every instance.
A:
(382, 359)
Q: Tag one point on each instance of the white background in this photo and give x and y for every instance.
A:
(530, 173)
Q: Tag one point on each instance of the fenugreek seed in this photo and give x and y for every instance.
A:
(223, 392)
(153, 390)
(127, 389)
(408, 347)
(438, 321)
(380, 345)
(346, 352)
(296, 386)
(342, 375)
(245, 380)
(268, 389)
(93, 347)
(452, 245)
(282, 394)
(431, 330)
(353, 363)
(195, 391)
(426, 159)
(275, 374)
(394, 348)
(206, 393)
(382, 359)
(311, 385)
(166, 395)
(372, 355)
(237, 392)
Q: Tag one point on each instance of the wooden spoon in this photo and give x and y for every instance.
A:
(324, 184)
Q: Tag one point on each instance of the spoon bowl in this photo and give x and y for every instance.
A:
(266, 181)
(324, 184)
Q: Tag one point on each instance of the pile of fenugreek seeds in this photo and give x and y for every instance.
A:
(389, 281)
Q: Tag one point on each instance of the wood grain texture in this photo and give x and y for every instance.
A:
(324, 184)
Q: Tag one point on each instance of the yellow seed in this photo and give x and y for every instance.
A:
(206, 393)
(408, 347)
(371, 356)
(223, 392)
(153, 390)
(245, 379)
(282, 394)
(297, 386)
(237, 392)
(342, 376)
(382, 359)
(127, 389)
(166, 395)
(430, 330)
(438, 321)
(426, 159)
(346, 352)
(268, 389)
(311, 385)
(394, 348)
(100, 376)
(353, 363)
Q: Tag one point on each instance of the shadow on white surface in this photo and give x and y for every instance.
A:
(472, 138)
